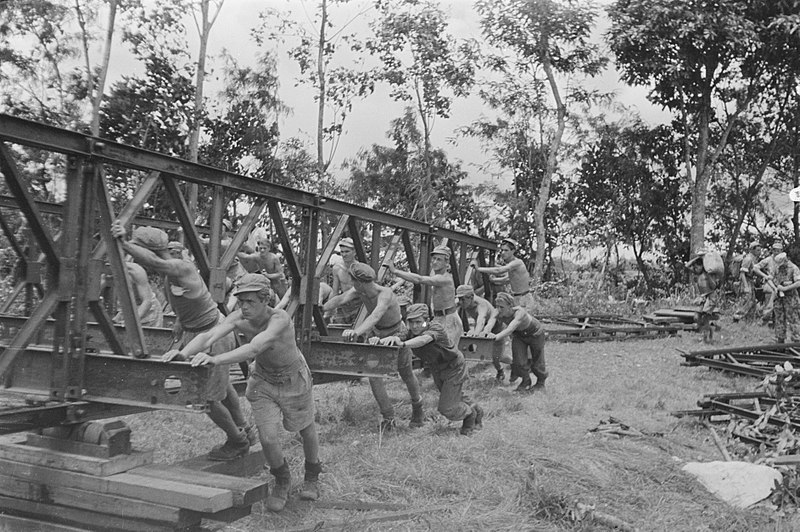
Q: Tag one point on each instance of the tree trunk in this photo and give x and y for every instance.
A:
(321, 103)
(550, 169)
(101, 81)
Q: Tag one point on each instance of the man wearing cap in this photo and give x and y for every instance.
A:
(342, 282)
(708, 283)
(787, 303)
(443, 291)
(431, 344)
(196, 312)
(527, 342)
(264, 261)
(765, 269)
(384, 320)
(514, 267)
(485, 322)
(279, 387)
(747, 296)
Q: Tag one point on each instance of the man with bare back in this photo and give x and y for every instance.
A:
(196, 312)
(280, 386)
(384, 320)
(443, 291)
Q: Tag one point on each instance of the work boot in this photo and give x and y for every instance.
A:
(524, 386)
(231, 449)
(478, 416)
(388, 424)
(417, 416)
(252, 434)
(500, 377)
(310, 491)
(277, 498)
(468, 425)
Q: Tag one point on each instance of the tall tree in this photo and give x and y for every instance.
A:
(425, 65)
(331, 61)
(702, 57)
(550, 43)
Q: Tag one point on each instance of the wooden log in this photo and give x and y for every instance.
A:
(97, 502)
(91, 465)
(179, 494)
(75, 516)
(245, 491)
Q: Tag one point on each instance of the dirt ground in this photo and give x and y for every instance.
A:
(535, 465)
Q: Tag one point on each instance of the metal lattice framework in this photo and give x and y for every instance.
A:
(63, 346)
(755, 361)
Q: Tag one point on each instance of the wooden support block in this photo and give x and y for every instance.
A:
(245, 491)
(101, 467)
(44, 492)
(67, 446)
(65, 514)
(246, 466)
(230, 515)
(178, 494)
(30, 524)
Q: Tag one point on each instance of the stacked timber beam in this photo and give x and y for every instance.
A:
(755, 361)
(50, 482)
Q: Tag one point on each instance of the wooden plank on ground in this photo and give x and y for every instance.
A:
(102, 467)
(179, 494)
(67, 515)
(97, 502)
(68, 446)
(30, 524)
(246, 466)
(245, 491)
(230, 515)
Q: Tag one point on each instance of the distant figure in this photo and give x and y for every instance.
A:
(518, 277)
(707, 268)
(787, 302)
(148, 307)
(747, 295)
(280, 388)
(264, 261)
(443, 291)
(765, 268)
(527, 342)
(430, 343)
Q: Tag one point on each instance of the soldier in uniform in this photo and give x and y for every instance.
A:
(747, 296)
(787, 300)
(707, 268)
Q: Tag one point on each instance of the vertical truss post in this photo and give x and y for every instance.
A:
(422, 293)
(309, 296)
(375, 249)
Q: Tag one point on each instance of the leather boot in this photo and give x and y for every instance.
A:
(417, 415)
(280, 493)
(310, 491)
(468, 425)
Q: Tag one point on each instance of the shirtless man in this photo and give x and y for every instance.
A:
(347, 313)
(384, 320)
(443, 291)
(264, 261)
(485, 316)
(280, 386)
(196, 312)
(514, 267)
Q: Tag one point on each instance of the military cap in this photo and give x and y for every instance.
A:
(251, 282)
(151, 238)
(361, 272)
(417, 310)
(505, 297)
(511, 242)
(347, 242)
(465, 290)
(442, 250)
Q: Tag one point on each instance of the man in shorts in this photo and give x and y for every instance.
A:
(196, 312)
(279, 388)
(384, 319)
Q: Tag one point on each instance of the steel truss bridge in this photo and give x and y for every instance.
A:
(59, 349)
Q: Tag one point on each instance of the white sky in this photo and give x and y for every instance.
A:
(369, 119)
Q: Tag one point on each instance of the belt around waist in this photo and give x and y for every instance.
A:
(444, 312)
(526, 292)
(202, 328)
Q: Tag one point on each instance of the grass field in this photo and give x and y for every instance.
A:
(534, 462)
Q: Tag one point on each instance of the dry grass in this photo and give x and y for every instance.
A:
(535, 458)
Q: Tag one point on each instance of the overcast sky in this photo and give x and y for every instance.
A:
(369, 120)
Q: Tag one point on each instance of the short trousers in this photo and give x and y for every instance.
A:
(291, 399)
